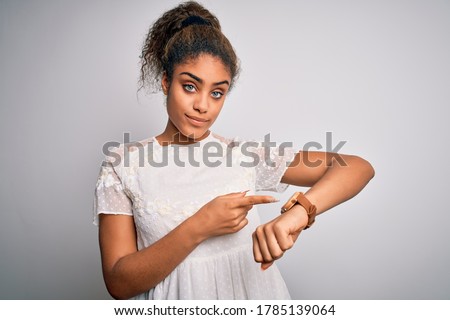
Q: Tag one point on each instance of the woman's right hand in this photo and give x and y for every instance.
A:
(226, 213)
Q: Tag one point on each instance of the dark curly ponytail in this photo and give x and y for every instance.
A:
(181, 34)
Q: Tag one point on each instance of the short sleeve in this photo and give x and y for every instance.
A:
(271, 167)
(109, 196)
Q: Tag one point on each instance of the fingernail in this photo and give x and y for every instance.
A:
(264, 268)
(245, 191)
(275, 200)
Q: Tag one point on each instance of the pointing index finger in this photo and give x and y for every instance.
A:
(257, 199)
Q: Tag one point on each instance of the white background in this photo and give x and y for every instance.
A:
(374, 73)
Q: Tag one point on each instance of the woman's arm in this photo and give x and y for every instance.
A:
(129, 272)
(333, 178)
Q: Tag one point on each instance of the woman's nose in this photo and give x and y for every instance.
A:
(201, 104)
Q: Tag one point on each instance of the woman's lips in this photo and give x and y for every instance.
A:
(198, 122)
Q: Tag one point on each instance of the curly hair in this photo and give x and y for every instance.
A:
(179, 35)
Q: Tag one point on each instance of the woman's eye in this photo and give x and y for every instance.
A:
(216, 94)
(189, 87)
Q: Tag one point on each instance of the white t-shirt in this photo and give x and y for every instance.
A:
(161, 186)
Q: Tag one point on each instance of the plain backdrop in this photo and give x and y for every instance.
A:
(374, 73)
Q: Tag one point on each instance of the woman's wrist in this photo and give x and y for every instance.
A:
(195, 230)
(300, 215)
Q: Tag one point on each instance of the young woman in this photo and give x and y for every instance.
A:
(176, 212)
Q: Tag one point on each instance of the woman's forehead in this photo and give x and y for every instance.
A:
(205, 67)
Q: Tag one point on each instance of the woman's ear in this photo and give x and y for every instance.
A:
(165, 84)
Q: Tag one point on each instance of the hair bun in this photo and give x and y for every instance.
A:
(197, 20)
(170, 42)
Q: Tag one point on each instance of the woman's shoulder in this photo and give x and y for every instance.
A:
(118, 152)
(222, 139)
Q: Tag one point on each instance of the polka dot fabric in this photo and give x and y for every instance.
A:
(109, 195)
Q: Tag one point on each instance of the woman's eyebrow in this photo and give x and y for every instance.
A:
(193, 76)
(222, 82)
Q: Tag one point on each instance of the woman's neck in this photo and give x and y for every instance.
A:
(171, 135)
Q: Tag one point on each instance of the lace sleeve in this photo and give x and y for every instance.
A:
(109, 196)
(272, 164)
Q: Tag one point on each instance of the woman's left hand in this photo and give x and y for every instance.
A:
(273, 238)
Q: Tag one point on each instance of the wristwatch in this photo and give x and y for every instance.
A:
(300, 198)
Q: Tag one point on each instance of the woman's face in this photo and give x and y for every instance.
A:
(195, 97)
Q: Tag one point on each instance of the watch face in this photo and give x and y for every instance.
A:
(290, 203)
